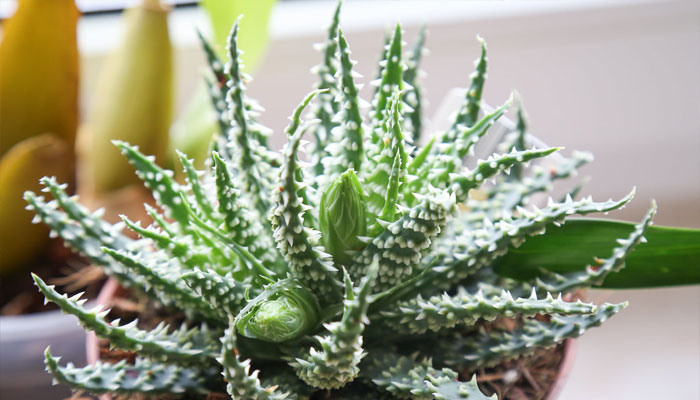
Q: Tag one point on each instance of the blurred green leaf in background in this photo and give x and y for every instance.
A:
(192, 131)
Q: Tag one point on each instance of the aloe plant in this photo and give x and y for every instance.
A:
(359, 272)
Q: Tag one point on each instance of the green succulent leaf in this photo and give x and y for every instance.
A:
(393, 68)
(491, 348)
(240, 222)
(220, 243)
(245, 144)
(308, 261)
(406, 377)
(216, 66)
(391, 81)
(158, 343)
(284, 378)
(458, 256)
(84, 232)
(517, 139)
(142, 376)
(181, 248)
(446, 311)
(510, 193)
(327, 106)
(161, 276)
(394, 145)
(463, 183)
(595, 275)
(92, 224)
(412, 96)
(391, 201)
(446, 386)
(222, 292)
(669, 258)
(466, 136)
(400, 247)
(160, 181)
(241, 383)
(448, 153)
(198, 190)
(159, 220)
(346, 148)
(468, 114)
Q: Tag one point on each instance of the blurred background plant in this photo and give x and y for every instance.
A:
(133, 102)
(38, 117)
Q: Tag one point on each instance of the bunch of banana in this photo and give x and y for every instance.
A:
(38, 116)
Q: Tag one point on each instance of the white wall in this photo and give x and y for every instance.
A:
(621, 81)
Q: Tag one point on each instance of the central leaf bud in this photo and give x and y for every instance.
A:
(343, 217)
(284, 312)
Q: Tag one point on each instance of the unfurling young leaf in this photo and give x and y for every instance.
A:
(343, 217)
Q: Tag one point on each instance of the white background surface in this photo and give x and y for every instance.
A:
(650, 350)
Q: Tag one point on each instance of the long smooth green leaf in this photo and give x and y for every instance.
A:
(671, 256)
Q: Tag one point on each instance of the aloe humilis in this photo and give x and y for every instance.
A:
(366, 271)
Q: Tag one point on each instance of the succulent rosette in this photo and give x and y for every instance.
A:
(365, 269)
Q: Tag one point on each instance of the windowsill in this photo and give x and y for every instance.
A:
(99, 34)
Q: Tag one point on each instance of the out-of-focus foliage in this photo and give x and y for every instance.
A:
(133, 101)
(20, 170)
(38, 96)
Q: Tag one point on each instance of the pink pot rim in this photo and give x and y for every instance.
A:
(110, 288)
(92, 348)
(567, 364)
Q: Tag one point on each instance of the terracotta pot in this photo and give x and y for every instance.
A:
(112, 288)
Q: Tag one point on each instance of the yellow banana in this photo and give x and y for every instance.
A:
(133, 102)
(39, 72)
(20, 169)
